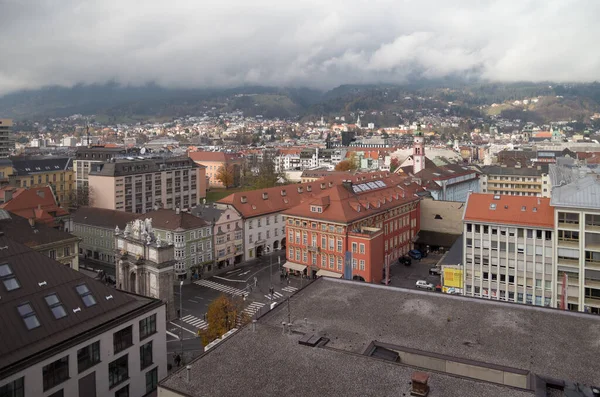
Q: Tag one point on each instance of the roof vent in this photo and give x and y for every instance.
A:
(524, 208)
(265, 196)
(109, 297)
(76, 310)
(419, 384)
(323, 185)
(330, 184)
(283, 192)
(244, 199)
(42, 283)
(534, 209)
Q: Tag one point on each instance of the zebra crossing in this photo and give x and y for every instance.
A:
(253, 308)
(290, 289)
(220, 287)
(195, 321)
(276, 295)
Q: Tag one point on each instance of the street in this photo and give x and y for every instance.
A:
(407, 276)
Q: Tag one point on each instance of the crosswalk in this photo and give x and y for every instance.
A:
(290, 289)
(276, 295)
(195, 322)
(220, 287)
(253, 308)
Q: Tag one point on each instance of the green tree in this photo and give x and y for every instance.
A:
(394, 164)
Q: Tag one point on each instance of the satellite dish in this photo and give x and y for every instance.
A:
(143, 151)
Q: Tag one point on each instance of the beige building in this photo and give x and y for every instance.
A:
(138, 185)
(515, 181)
(215, 160)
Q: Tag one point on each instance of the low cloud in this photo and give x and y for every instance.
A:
(312, 43)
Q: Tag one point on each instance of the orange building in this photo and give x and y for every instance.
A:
(215, 160)
(375, 222)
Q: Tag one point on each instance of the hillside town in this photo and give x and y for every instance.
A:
(173, 237)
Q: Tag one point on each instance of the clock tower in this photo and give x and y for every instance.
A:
(418, 151)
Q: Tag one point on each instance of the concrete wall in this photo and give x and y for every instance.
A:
(102, 192)
(451, 213)
(137, 378)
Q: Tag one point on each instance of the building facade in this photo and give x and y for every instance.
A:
(508, 249)
(56, 172)
(367, 225)
(137, 185)
(213, 161)
(7, 144)
(516, 180)
(191, 237)
(577, 223)
(71, 335)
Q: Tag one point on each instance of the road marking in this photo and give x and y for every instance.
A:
(228, 279)
(276, 295)
(195, 321)
(220, 287)
(173, 335)
(253, 308)
(198, 297)
(189, 300)
(185, 329)
(233, 271)
(290, 289)
(246, 272)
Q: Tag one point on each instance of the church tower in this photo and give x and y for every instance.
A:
(418, 151)
(358, 122)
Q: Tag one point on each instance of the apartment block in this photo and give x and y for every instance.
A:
(86, 156)
(213, 161)
(66, 334)
(516, 180)
(577, 221)
(137, 185)
(508, 251)
(6, 142)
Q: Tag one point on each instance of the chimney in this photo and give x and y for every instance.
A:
(31, 222)
(7, 195)
(347, 184)
(419, 384)
(177, 211)
(188, 369)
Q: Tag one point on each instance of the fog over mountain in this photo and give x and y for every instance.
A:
(311, 43)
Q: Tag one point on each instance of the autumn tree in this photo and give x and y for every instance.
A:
(344, 165)
(394, 164)
(224, 314)
(226, 175)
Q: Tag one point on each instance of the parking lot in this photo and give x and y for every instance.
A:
(407, 276)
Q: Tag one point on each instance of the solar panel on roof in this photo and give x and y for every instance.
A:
(356, 189)
(372, 185)
(364, 187)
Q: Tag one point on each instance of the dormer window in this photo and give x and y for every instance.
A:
(309, 188)
(316, 208)
(265, 196)
(300, 189)
(283, 192)
(244, 199)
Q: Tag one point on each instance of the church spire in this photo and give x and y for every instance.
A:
(418, 151)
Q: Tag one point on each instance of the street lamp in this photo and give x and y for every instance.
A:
(268, 249)
(180, 315)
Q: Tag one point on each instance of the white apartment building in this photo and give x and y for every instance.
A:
(508, 249)
(577, 222)
(515, 181)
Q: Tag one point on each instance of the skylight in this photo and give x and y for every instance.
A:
(492, 206)
(28, 316)
(56, 306)
(86, 295)
(8, 278)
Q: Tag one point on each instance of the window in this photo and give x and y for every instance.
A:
(354, 262)
(354, 247)
(339, 245)
(8, 278)
(56, 373)
(86, 295)
(88, 356)
(362, 264)
(122, 392)
(146, 355)
(16, 388)
(122, 339)
(57, 308)
(469, 227)
(567, 217)
(118, 371)
(151, 380)
(67, 251)
(361, 248)
(52, 254)
(147, 326)
(28, 315)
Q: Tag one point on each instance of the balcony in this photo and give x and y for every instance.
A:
(568, 243)
(568, 225)
(592, 265)
(568, 262)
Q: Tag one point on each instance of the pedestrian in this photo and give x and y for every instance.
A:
(178, 360)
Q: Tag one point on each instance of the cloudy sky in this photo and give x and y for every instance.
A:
(316, 43)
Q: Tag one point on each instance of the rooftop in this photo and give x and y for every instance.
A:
(143, 165)
(581, 193)
(509, 210)
(515, 171)
(20, 230)
(223, 157)
(38, 165)
(170, 220)
(37, 203)
(479, 332)
(31, 333)
(105, 218)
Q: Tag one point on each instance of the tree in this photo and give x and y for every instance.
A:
(224, 314)
(82, 197)
(344, 165)
(394, 164)
(226, 175)
(354, 160)
(266, 175)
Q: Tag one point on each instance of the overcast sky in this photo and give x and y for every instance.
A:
(316, 43)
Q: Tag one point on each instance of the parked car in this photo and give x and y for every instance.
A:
(435, 271)
(415, 254)
(405, 260)
(424, 285)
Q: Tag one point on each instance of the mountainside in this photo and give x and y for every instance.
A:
(119, 104)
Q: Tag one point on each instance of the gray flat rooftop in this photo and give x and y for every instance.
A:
(545, 342)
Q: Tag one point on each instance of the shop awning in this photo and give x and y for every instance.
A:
(294, 266)
(327, 273)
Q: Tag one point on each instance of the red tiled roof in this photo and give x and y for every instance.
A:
(15, 191)
(213, 156)
(342, 204)
(38, 203)
(280, 198)
(509, 210)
